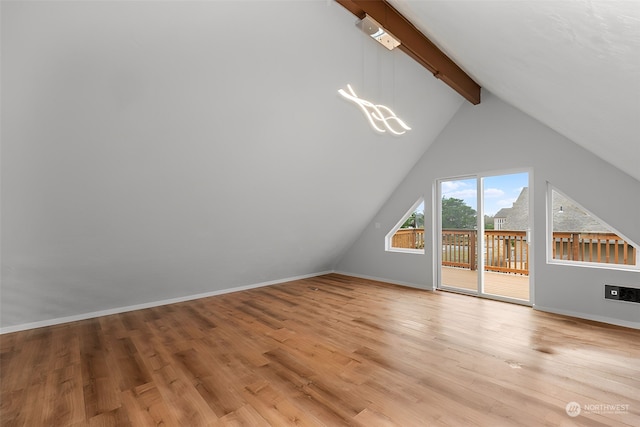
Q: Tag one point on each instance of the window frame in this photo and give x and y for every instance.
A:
(589, 264)
(389, 237)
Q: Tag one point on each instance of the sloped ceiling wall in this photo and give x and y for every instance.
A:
(573, 65)
(153, 150)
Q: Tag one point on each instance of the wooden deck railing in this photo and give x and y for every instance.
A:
(593, 247)
(508, 251)
(408, 238)
(504, 251)
(459, 248)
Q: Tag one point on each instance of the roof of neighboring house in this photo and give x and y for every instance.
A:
(573, 218)
(502, 213)
(518, 215)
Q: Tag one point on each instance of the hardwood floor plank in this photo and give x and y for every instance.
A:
(63, 398)
(145, 406)
(153, 352)
(275, 408)
(128, 366)
(101, 393)
(183, 400)
(245, 416)
(369, 417)
(222, 399)
(22, 407)
(114, 418)
(324, 351)
(343, 400)
(198, 364)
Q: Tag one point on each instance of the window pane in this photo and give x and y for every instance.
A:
(409, 234)
(580, 237)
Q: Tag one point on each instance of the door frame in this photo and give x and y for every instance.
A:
(437, 233)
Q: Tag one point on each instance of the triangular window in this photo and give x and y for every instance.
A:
(408, 233)
(578, 236)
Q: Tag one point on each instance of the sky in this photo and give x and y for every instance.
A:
(499, 191)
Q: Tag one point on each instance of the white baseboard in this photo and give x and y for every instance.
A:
(602, 319)
(382, 279)
(91, 315)
(94, 314)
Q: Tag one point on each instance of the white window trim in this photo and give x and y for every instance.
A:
(388, 238)
(601, 265)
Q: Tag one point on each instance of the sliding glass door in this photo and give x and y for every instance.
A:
(458, 231)
(505, 246)
(484, 236)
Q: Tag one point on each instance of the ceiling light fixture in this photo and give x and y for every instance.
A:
(373, 29)
(380, 117)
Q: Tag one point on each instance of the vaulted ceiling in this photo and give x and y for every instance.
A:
(160, 149)
(573, 65)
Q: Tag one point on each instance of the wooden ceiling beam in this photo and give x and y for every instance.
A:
(416, 45)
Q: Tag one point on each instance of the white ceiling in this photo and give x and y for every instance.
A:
(574, 65)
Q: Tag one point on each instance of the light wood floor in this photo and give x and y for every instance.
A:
(502, 284)
(327, 351)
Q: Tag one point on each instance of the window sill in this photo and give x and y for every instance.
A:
(618, 267)
(406, 251)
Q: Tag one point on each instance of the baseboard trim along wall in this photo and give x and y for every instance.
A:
(85, 316)
(91, 315)
(578, 315)
(384, 280)
(601, 319)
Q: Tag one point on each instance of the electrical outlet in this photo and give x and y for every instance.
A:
(622, 293)
(611, 292)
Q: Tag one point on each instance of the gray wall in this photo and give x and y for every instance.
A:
(494, 137)
(157, 150)
(148, 155)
